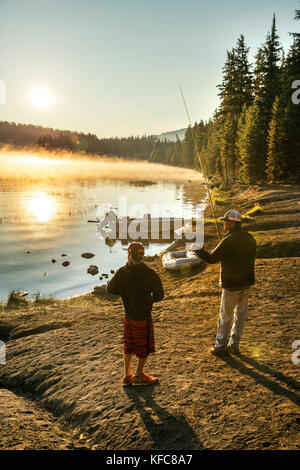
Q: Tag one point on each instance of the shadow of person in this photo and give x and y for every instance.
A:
(289, 381)
(168, 431)
(273, 386)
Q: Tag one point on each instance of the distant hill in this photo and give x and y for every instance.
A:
(171, 136)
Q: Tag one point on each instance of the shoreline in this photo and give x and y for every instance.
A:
(65, 358)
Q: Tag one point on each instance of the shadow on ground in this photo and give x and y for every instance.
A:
(270, 384)
(168, 431)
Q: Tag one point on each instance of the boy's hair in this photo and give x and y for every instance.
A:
(137, 251)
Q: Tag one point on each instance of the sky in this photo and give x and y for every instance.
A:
(112, 67)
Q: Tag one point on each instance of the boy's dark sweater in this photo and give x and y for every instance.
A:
(139, 286)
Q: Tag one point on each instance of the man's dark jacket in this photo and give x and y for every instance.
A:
(237, 255)
(139, 286)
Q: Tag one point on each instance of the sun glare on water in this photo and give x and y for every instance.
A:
(41, 97)
(41, 207)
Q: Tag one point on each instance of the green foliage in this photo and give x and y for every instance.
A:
(236, 87)
(188, 149)
(283, 162)
(266, 88)
(276, 162)
(249, 144)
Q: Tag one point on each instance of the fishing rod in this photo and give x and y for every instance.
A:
(201, 166)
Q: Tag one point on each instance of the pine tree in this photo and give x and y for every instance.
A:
(276, 168)
(236, 92)
(266, 88)
(248, 144)
(228, 149)
(297, 17)
(284, 134)
(227, 88)
(237, 84)
(188, 149)
(200, 134)
(210, 151)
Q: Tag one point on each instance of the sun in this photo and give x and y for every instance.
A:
(41, 206)
(41, 97)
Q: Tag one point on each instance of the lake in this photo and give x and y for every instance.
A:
(42, 220)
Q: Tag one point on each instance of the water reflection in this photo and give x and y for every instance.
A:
(41, 206)
(40, 221)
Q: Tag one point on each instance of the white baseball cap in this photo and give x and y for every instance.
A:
(232, 215)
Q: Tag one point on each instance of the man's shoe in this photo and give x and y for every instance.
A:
(233, 349)
(221, 351)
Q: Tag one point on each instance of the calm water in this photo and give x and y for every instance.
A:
(48, 221)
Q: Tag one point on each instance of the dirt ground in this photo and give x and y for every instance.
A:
(61, 385)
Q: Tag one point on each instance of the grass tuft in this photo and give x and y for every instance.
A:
(256, 210)
(15, 301)
(220, 201)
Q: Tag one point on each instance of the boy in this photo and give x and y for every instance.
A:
(139, 286)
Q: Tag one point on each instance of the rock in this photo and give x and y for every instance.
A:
(28, 252)
(63, 254)
(101, 292)
(99, 289)
(93, 270)
(100, 278)
(65, 263)
(112, 271)
(87, 255)
(53, 260)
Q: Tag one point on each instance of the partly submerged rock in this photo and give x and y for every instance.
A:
(93, 270)
(112, 271)
(63, 254)
(65, 263)
(53, 260)
(87, 255)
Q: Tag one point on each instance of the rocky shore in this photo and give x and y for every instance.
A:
(61, 385)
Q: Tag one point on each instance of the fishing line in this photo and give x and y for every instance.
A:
(201, 166)
(165, 121)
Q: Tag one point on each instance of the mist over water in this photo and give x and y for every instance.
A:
(41, 165)
(46, 202)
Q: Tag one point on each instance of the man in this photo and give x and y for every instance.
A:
(139, 286)
(237, 255)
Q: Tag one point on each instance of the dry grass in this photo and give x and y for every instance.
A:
(256, 210)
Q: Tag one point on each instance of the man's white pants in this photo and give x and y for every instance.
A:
(234, 306)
